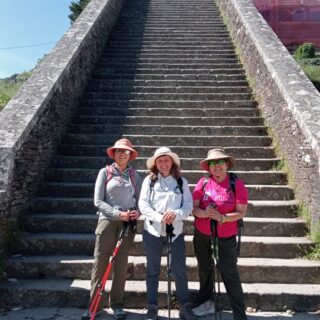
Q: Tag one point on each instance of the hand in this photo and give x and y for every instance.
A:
(169, 217)
(124, 215)
(213, 214)
(134, 214)
(210, 212)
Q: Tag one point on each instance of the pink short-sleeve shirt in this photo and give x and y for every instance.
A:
(223, 197)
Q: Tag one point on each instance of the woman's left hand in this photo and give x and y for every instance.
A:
(169, 217)
(216, 215)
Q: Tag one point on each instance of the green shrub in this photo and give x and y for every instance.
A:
(305, 51)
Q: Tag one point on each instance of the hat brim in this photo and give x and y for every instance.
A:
(205, 166)
(151, 162)
(133, 153)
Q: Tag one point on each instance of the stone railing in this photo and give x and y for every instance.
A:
(33, 122)
(289, 101)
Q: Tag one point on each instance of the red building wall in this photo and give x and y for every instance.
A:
(294, 21)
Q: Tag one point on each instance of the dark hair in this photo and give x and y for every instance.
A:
(174, 171)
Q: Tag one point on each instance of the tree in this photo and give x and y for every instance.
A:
(76, 7)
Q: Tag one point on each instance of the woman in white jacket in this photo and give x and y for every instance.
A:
(165, 199)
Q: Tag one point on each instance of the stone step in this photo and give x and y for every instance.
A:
(169, 42)
(62, 223)
(140, 162)
(60, 205)
(75, 293)
(183, 53)
(83, 243)
(125, 83)
(191, 65)
(168, 120)
(165, 72)
(143, 75)
(220, 73)
(62, 188)
(259, 179)
(176, 130)
(194, 151)
(166, 140)
(219, 45)
(167, 96)
(184, 37)
(169, 55)
(251, 270)
(109, 108)
(168, 89)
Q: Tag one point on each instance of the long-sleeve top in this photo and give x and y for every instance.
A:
(117, 194)
(165, 196)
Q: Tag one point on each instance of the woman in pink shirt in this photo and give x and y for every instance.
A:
(218, 206)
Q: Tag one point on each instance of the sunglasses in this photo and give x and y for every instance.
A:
(122, 151)
(220, 162)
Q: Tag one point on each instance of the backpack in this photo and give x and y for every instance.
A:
(110, 172)
(232, 186)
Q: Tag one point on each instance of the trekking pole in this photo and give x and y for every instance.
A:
(90, 315)
(170, 235)
(215, 265)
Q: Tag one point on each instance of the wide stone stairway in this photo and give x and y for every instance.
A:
(169, 76)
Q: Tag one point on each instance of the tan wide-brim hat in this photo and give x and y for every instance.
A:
(123, 144)
(216, 154)
(163, 151)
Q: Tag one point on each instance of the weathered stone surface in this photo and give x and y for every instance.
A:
(33, 121)
(289, 101)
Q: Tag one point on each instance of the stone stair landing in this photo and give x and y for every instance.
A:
(168, 76)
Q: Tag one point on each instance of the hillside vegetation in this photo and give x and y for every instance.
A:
(10, 86)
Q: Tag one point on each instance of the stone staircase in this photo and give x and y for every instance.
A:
(169, 76)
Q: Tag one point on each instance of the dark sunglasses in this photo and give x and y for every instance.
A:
(122, 151)
(220, 162)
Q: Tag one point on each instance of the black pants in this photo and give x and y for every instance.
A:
(227, 248)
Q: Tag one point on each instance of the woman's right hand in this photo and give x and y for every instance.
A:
(124, 215)
(210, 212)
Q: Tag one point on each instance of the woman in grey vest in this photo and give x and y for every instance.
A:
(116, 196)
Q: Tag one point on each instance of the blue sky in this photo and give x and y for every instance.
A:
(29, 23)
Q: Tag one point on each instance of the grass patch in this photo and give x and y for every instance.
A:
(313, 73)
(314, 254)
(313, 234)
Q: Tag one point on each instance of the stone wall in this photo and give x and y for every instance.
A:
(289, 101)
(33, 122)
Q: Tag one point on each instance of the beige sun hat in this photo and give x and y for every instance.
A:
(123, 144)
(163, 151)
(216, 154)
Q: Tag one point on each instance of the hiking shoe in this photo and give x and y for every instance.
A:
(186, 312)
(152, 313)
(87, 315)
(118, 313)
(204, 308)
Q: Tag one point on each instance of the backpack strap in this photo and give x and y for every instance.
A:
(132, 173)
(204, 185)
(232, 180)
(180, 185)
(110, 172)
